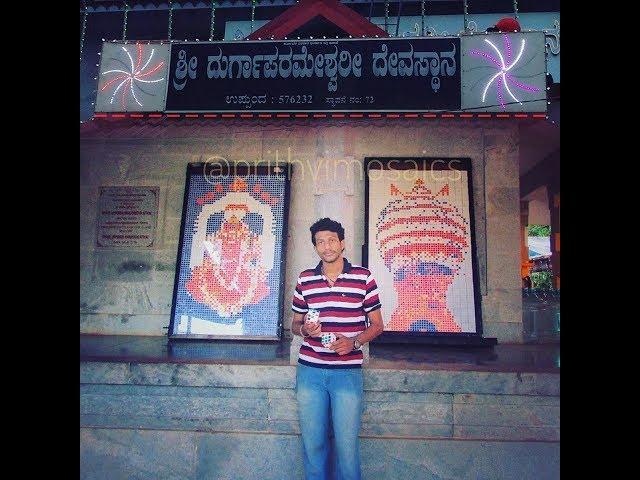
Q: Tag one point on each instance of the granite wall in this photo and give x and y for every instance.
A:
(203, 421)
(129, 291)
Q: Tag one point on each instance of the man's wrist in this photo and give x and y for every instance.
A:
(356, 343)
(302, 333)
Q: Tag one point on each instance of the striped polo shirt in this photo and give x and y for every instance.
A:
(342, 308)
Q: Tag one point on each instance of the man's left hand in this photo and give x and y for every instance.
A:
(342, 345)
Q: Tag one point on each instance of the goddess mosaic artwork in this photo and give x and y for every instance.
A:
(229, 273)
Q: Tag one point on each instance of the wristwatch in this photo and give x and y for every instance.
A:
(356, 344)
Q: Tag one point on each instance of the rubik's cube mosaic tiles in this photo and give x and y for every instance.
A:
(229, 277)
(420, 250)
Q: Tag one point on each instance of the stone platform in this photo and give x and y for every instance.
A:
(188, 411)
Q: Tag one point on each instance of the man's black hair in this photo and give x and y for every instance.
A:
(326, 224)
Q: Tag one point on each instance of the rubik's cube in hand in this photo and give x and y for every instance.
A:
(313, 316)
(327, 339)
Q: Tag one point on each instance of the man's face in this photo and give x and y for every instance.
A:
(328, 246)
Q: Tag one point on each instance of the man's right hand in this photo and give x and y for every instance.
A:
(313, 329)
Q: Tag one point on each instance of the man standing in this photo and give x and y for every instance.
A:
(329, 374)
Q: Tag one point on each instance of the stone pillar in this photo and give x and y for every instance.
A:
(334, 196)
(502, 306)
(554, 209)
(524, 244)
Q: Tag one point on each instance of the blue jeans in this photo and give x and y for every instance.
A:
(321, 391)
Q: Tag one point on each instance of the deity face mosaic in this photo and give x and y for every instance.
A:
(420, 244)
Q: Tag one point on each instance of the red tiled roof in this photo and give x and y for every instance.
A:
(340, 15)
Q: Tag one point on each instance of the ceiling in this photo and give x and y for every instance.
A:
(538, 140)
